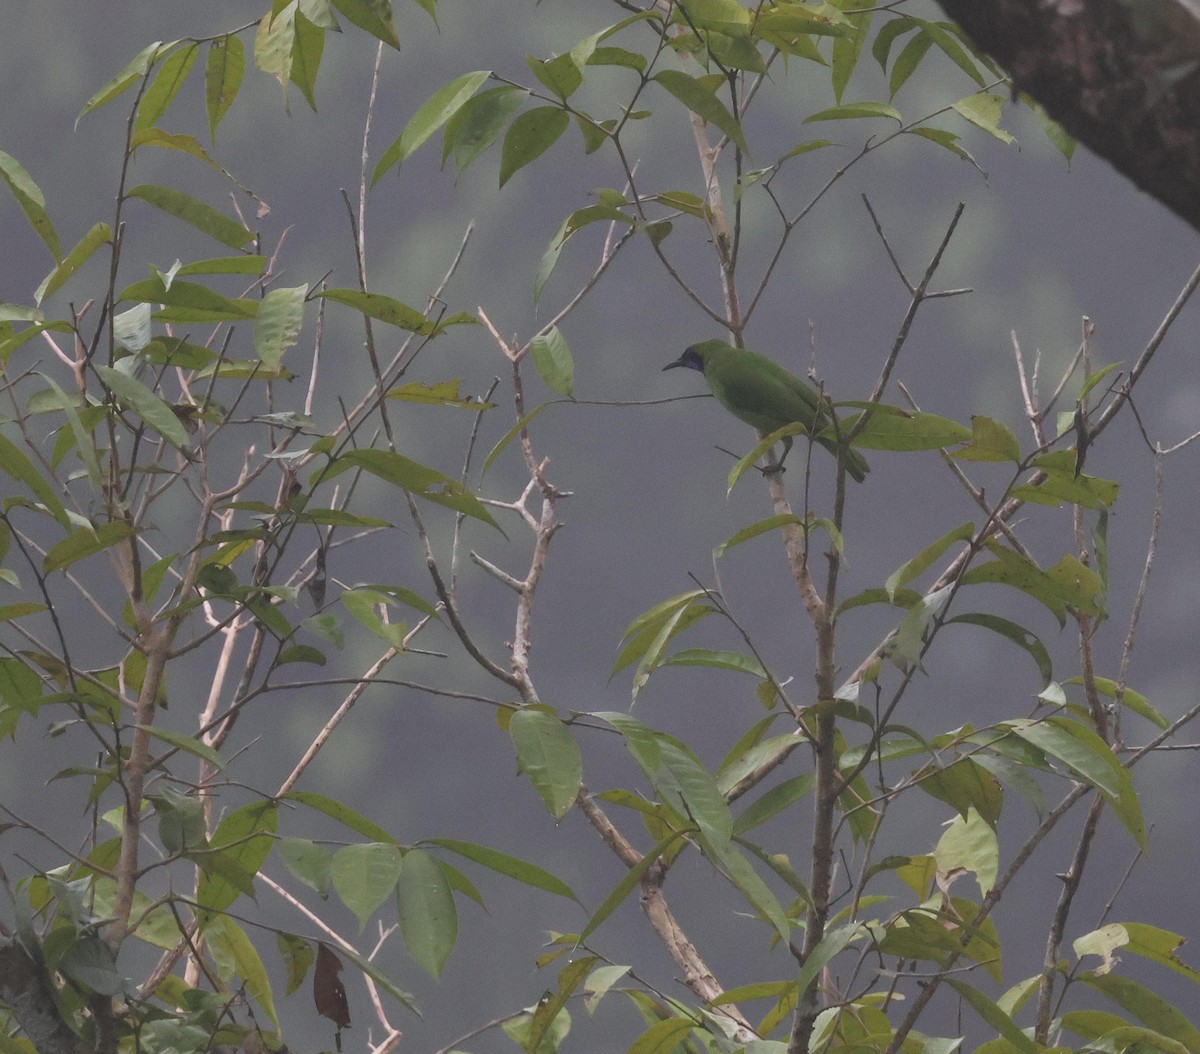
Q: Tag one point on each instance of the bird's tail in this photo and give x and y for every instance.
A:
(856, 465)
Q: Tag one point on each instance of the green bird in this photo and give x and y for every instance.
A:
(762, 393)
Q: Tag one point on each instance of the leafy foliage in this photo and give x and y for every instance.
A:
(161, 470)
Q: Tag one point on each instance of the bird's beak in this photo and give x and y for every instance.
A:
(672, 365)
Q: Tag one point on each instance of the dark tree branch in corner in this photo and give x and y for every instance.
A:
(1121, 76)
(28, 994)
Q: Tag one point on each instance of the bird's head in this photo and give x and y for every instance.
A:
(691, 358)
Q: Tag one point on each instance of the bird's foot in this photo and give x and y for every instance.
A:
(775, 467)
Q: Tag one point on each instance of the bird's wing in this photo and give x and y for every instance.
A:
(762, 393)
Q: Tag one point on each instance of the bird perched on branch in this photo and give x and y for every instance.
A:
(762, 393)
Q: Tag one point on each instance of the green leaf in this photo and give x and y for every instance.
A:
(307, 50)
(553, 362)
(339, 518)
(720, 660)
(184, 207)
(775, 801)
(149, 407)
(642, 632)
(277, 325)
(520, 1030)
(656, 232)
(1018, 634)
(910, 569)
(964, 785)
(510, 435)
(242, 842)
(855, 110)
(379, 977)
(236, 956)
(995, 1017)
(510, 866)
(834, 941)
(848, 46)
(530, 136)
(890, 428)
(663, 1036)
(157, 98)
(224, 67)
(687, 203)
(806, 147)
(1135, 701)
(721, 15)
(560, 75)
(730, 860)
(1160, 946)
(550, 259)
(14, 461)
(362, 603)
(298, 956)
(983, 110)
(694, 790)
(365, 876)
(274, 42)
(132, 328)
(137, 68)
(600, 981)
(1068, 583)
(441, 393)
(702, 101)
(32, 203)
(651, 644)
(1063, 485)
(439, 108)
(383, 308)
(969, 842)
(907, 62)
(1095, 379)
(478, 124)
(1089, 759)
(548, 754)
(615, 56)
(83, 438)
(428, 917)
(991, 440)
(9, 612)
(181, 825)
(394, 468)
(736, 49)
(341, 812)
(418, 479)
(85, 542)
(100, 234)
(375, 16)
(947, 140)
(1053, 131)
(570, 977)
(89, 961)
(1013, 776)
(771, 523)
(628, 883)
(188, 744)
(312, 864)
(888, 33)
(908, 642)
(947, 37)
(250, 263)
(187, 302)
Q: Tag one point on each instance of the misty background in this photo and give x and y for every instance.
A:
(1041, 244)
